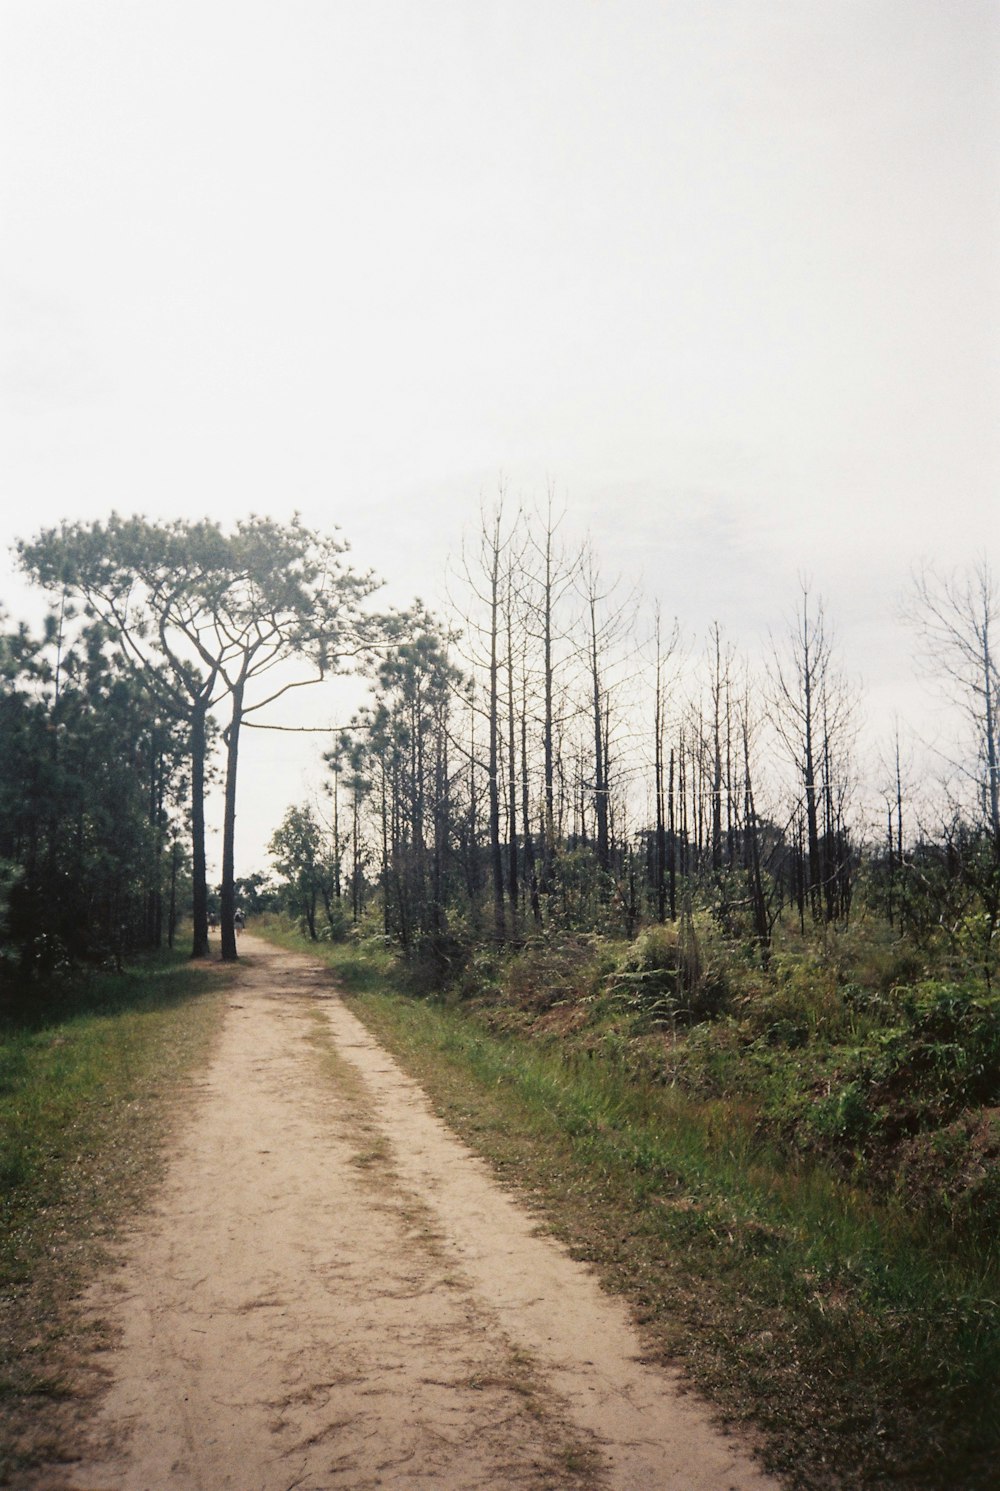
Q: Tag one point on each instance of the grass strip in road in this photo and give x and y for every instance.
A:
(89, 1078)
(862, 1346)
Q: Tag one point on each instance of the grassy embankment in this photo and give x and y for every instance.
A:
(88, 1073)
(798, 1195)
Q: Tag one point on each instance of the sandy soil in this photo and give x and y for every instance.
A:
(332, 1292)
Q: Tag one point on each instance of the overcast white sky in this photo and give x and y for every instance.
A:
(724, 271)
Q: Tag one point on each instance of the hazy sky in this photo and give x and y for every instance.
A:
(725, 272)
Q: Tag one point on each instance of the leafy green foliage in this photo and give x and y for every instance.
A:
(88, 774)
(400, 765)
(673, 972)
(301, 857)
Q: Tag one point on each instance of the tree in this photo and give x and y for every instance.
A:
(958, 617)
(813, 717)
(302, 855)
(402, 764)
(219, 611)
(662, 793)
(721, 743)
(147, 582)
(764, 885)
(89, 779)
(608, 624)
(487, 578)
(287, 606)
(549, 579)
(348, 760)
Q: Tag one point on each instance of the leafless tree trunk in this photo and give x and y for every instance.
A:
(664, 650)
(608, 621)
(958, 618)
(812, 714)
(486, 580)
(512, 780)
(554, 573)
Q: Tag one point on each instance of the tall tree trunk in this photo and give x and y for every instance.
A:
(336, 833)
(175, 855)
(529, 847)
(386, 917)
(199, 878)
(717, 754)
(762, 924)
(227, 905)
(512, 850)
(496, 855)
(672, 825)
(809, 674)
(660, 858)
(600, 763)
(355, 860)
(992, 763)
(898, 869)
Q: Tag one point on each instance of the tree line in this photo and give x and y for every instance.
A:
(546, 756)
(541, 758)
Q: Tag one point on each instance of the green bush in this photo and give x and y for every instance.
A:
(673, 972)
(944, 1057)
(338, 924)
(844, 1115)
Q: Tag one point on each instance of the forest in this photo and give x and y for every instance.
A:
(632, 857)
(546, 760)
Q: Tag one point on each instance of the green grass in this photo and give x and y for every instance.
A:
(861, 1340)
(88, 1073)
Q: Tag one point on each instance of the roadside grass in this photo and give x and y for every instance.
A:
(88, 1072)
(858, 1339)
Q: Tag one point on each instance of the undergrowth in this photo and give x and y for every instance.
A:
(791, 1173)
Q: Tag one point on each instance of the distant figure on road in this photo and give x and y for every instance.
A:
(239, 921)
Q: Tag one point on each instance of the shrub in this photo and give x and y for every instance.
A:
(844, 1115)
(553, 970)
(673, 972)
(954, 1173)
(944, 1057)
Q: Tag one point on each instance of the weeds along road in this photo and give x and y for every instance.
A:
(331, 1291)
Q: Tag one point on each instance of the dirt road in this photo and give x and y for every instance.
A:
(332, 1292)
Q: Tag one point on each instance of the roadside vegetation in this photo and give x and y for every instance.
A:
(799, 1196)
(90, 1071)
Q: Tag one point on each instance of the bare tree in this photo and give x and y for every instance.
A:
(958, 617)
(663, 792)
(813, 712)
(720, 744)
(551, 573)
(486, 579)
(607, 651)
